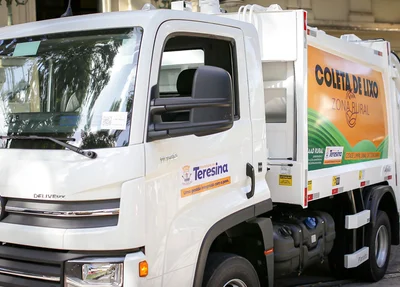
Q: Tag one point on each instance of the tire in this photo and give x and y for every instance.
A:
(229, 270)
(378, 239)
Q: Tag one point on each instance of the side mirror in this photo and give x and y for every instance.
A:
(210, 107)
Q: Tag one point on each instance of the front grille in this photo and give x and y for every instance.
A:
(62, 214)
(25, 267)
(22, 266)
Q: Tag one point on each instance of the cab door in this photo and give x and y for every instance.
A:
(195, 180)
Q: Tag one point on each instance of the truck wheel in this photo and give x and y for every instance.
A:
(229, 270)
(378, 239)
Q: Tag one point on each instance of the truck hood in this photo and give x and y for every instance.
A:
(46, 178)
(65, 175)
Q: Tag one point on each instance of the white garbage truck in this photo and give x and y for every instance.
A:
(174, 148)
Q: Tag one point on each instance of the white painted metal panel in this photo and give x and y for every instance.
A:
(277, 32)
(357, 220)
(357, 258)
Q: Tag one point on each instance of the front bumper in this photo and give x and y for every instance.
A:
(22, 266)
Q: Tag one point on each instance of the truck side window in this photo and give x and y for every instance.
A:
(181, 57)
(173, 63)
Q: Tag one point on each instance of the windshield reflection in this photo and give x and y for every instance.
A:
(78, 85)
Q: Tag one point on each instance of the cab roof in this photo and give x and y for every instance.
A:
(98, 21)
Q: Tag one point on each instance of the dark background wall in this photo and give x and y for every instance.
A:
(48, 9)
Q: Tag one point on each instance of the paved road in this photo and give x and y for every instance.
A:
(321, 277)
(392, 277)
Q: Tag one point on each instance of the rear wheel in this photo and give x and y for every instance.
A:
(229, 270)
(378, 240)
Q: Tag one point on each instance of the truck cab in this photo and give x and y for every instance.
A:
(170, 148)
(110, 89)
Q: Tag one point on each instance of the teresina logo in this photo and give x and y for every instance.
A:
(333, 155)
(201, 172)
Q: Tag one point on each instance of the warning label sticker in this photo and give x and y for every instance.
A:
(285, 180)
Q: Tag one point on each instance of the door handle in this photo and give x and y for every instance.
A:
(250, 173)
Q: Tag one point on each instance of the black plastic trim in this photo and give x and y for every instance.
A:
(12, 281)
(64, 205)
(221, 226)
(250, 173)
(263, 207)
(160, 105)
(42, 261)
(266, 228)
(49, 271)
(178, 127)
(62, 222)
(372, 199)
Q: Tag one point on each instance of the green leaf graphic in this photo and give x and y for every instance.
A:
(323, 133)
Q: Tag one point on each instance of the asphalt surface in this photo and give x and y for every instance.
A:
(319, 276)
(392, 277)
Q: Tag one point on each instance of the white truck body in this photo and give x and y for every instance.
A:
(288, 54)
(167, 196)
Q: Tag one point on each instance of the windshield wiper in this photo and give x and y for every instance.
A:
(89, 154)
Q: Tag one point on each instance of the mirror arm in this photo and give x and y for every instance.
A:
(187, 129)
(156, 110)
(185, 125)
(170, 108)
(211, 90)
(187, 101)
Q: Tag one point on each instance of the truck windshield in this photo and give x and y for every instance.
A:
(77, 86)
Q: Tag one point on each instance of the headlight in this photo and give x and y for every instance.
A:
(99, 272)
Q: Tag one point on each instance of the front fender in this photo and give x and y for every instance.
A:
(221, 226)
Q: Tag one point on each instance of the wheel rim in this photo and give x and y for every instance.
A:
(381, 246)
(235, 283)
